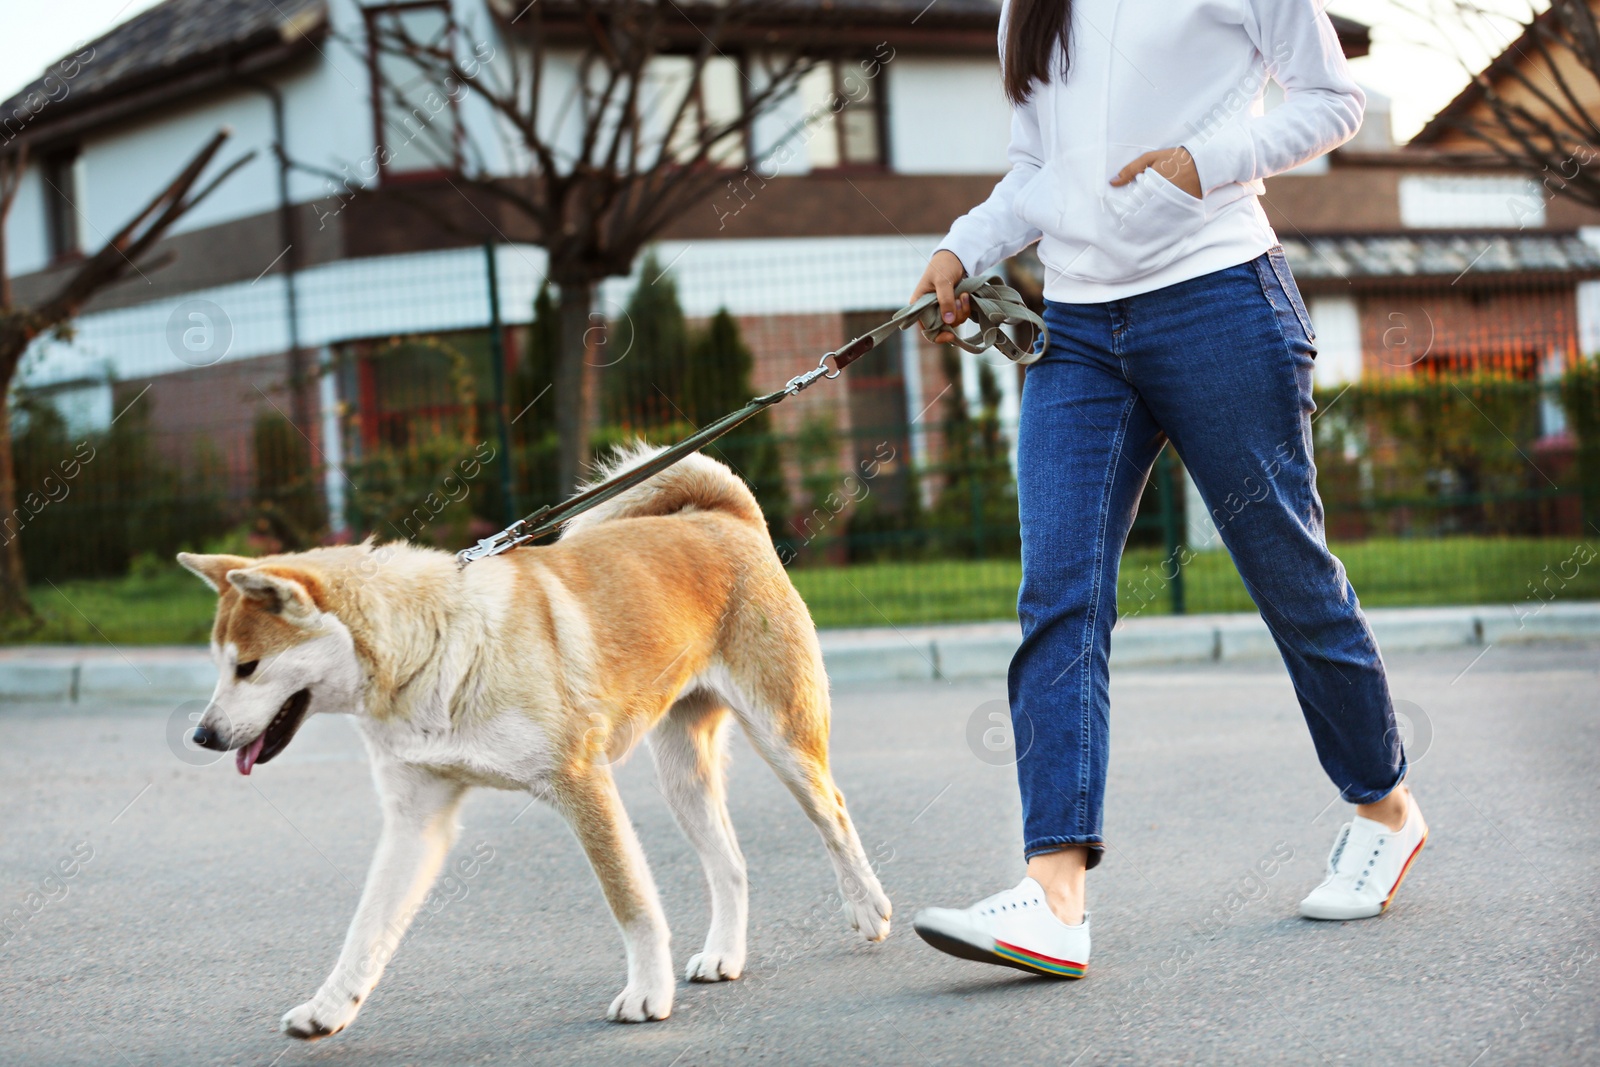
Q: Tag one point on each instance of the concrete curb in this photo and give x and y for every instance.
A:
(78, 674)
(984, 650)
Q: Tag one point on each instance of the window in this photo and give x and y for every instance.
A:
(1470, 202)
(414, 113)
(60, 173)
(844, 106)
(714, 103)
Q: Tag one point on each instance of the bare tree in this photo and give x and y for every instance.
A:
(1536, 106)
(604, 128)
(127, 250)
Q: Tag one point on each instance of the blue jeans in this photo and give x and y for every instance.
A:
(1221, 366)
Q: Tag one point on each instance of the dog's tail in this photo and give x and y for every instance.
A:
(694, 482)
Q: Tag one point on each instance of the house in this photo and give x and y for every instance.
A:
(1437, 261)
(1440, 239)
(301, 288)
(341, 234)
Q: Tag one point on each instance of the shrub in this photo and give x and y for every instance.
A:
(93, 502)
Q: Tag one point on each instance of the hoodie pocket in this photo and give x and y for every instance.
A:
(1120, 234)
(1036, 201)
(1142, 227)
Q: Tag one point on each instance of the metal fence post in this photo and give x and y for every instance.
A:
(333, 474)
(1169, 528)
(497, 357)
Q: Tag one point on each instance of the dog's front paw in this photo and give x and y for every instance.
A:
(639, 1004)
(714, 967)
(869, 913)
(313, 1020)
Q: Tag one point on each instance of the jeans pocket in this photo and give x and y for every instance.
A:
(1291, 291)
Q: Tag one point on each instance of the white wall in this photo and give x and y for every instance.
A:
(1589, 303)
(447, 290)
(947, 115)
(327, 110)
(123, 169)
(1338, 323)
(1589, 319)
(1460, 201)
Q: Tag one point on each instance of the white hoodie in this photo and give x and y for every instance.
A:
(1153, 74)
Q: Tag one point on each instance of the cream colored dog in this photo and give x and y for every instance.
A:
(657, 612)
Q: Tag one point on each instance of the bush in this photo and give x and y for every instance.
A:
(288, 493)
(975, 514)
(1580, 396)
(91, 503)
(1433, 456)
(672, 380)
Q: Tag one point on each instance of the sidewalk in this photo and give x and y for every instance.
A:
(97, 674)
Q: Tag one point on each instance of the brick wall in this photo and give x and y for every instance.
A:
(1404, 332)
(213, 408)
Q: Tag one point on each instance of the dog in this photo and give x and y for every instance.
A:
(664, 611)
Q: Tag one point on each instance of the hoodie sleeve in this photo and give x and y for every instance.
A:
(1322, 104)
(992, 231)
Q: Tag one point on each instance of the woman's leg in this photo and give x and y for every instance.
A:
(1086, 444)
(1224, 362)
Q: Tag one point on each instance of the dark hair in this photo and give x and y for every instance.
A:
(1038, 33)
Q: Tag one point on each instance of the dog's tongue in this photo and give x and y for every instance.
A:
(245, 758)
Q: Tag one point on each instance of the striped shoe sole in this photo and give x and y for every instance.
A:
(1004, 955)
(1403, 872)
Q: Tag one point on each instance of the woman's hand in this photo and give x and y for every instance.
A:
(944, 271)
(1174, 164)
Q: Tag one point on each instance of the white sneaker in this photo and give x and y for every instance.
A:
(1366, 867)
(1015, 928)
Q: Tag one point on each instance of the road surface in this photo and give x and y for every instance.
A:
(201, 905)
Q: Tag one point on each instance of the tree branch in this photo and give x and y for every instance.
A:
(117, 255)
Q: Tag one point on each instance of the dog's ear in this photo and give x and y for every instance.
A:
(288, 592)
(213, 570)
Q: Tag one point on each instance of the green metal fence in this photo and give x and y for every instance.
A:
(1470, 486)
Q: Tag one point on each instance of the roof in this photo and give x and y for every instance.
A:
(1456, 110)
(1355, 37)
(903, 12)
(1480, 257)
(156, 46)
(173, 40)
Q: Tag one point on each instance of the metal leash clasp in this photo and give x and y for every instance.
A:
(821, 370)
(503, 541)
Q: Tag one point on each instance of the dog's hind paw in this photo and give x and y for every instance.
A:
(637, 1005)
(305, 1023)
(870, 914)
(713, 967)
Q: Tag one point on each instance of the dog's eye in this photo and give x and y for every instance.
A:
(245, 670)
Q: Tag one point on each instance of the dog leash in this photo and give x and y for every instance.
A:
(994, 305)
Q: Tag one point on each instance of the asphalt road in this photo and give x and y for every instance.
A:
(209, 904)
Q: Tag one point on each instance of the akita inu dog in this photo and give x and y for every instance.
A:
(657, 613)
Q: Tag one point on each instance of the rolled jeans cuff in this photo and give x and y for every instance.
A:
(1046, 845)
(1372, 796)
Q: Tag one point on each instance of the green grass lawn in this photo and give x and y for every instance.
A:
(170, 608)
(1386, 573)
(175, 608)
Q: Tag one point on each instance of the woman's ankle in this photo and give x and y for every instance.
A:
(1391, 811)
(1061, 875)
